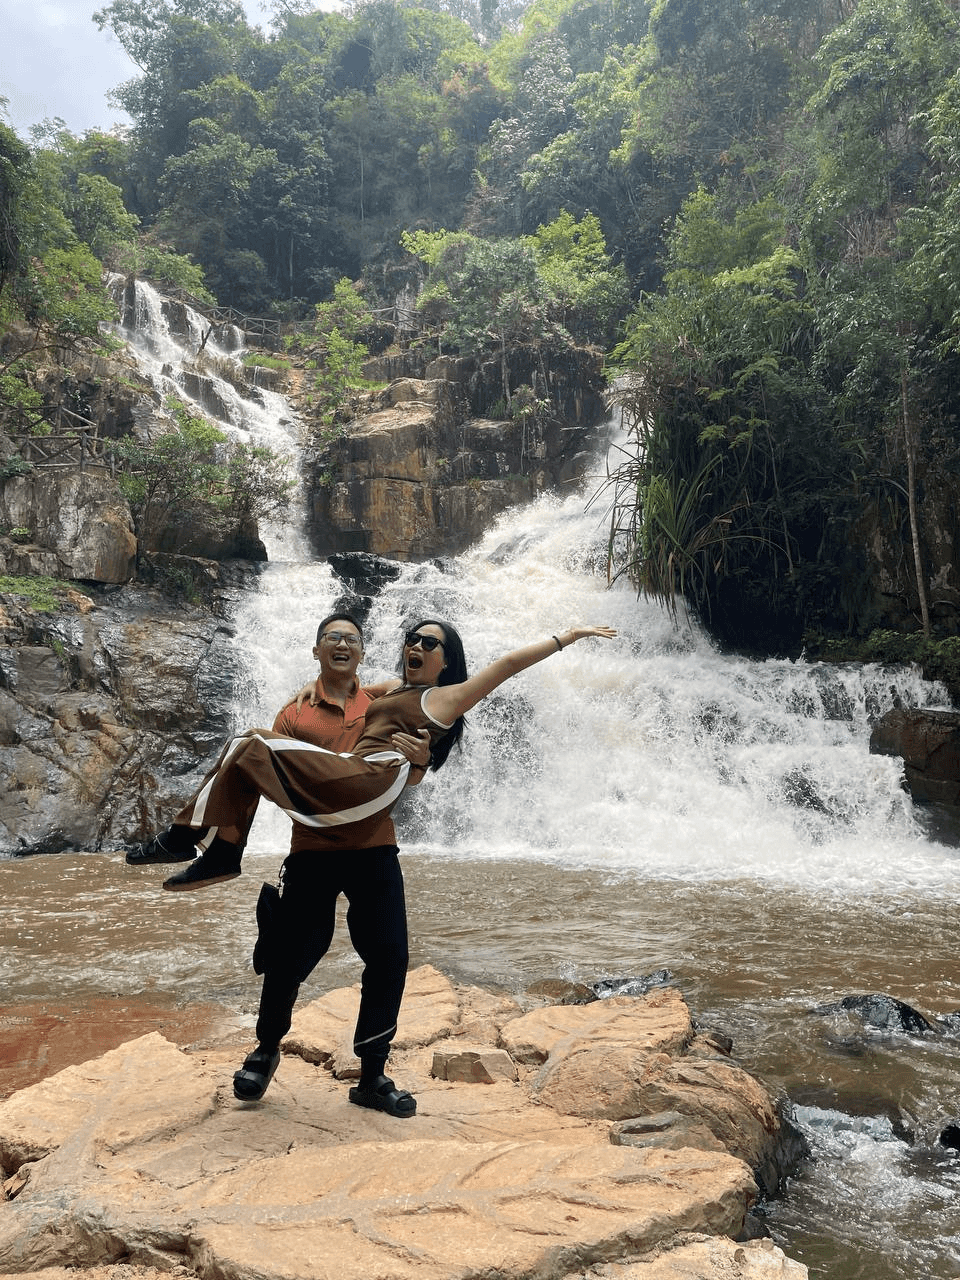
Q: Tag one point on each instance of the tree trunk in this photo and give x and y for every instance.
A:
(908, 440)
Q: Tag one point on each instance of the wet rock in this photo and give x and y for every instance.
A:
(710, 1043)
(560, 991)
(143, 1154)
(363, 573)
(886, 1013)
(632, 986)
(929, 743)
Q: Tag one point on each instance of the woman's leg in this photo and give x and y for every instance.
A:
(317, 788)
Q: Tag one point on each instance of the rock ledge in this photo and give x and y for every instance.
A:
(142, 1161)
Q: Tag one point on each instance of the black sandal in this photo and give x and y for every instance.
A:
(251, 1081)
(383, 1095)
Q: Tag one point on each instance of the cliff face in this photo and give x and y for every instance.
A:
(109, 706)
(423, 475)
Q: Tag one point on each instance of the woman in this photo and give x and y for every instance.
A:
(341, 792)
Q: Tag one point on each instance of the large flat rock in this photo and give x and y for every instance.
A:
(144, 1156)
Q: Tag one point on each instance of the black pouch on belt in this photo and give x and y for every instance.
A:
(268, 921)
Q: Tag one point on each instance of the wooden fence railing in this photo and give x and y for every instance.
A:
(78, 446)
(403, 317)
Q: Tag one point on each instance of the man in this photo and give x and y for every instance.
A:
(317, 870)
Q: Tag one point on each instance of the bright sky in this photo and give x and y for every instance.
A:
(54, 62)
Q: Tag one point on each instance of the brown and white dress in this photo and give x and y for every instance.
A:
(338, 792)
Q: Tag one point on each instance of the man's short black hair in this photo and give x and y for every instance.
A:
(338, 617)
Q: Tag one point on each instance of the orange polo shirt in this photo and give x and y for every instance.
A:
(337, 729)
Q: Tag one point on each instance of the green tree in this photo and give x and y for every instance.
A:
(186, 477)
(51, 296)
(335, 348)
(731, 489)
(172, 475)
(591, 290)
(96, 210)
(179, 46)
(485, 296)
(209, 198)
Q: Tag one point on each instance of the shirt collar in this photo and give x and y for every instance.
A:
(351, 696)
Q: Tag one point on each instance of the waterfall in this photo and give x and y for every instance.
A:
(647, 798)
(200, 363)
(653, 753)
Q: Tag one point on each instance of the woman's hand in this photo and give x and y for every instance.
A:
(581, 633)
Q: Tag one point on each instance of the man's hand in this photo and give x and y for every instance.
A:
(416, 748)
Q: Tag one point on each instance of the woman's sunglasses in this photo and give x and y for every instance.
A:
(428, 643)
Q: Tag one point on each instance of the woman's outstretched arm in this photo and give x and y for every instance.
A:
(446, 702)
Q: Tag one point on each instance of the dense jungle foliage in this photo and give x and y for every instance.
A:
(752, 206)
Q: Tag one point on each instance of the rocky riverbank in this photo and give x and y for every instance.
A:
(608, 1139)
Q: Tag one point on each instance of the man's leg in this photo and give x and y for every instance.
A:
(305, 921)
(377, 920)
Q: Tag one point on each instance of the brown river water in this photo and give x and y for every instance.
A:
(92, 952)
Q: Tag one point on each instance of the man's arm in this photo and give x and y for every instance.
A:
(414, 747)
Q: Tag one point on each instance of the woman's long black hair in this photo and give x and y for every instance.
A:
(455, 672)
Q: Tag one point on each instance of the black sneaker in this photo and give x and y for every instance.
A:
(204, 871)
(168, 846)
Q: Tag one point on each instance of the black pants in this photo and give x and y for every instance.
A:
(372, 882)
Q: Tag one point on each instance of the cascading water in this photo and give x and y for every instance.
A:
(652, 801)
(653, 752)
(199, 364)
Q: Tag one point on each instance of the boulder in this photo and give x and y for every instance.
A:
(473, 1064)
(929, 743)
(628, 1057)
(654, 1024)
(79, 524)
(883, 1012)
(143, 1159)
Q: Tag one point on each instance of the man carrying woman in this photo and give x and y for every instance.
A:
(340, 794)
(297, 930)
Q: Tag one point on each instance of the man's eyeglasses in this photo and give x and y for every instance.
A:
(348, 638)
(428, 643)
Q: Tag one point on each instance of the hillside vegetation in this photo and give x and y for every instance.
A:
(752, 206)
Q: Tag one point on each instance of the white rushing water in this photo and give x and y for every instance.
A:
(653, 752)
(201, 366)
